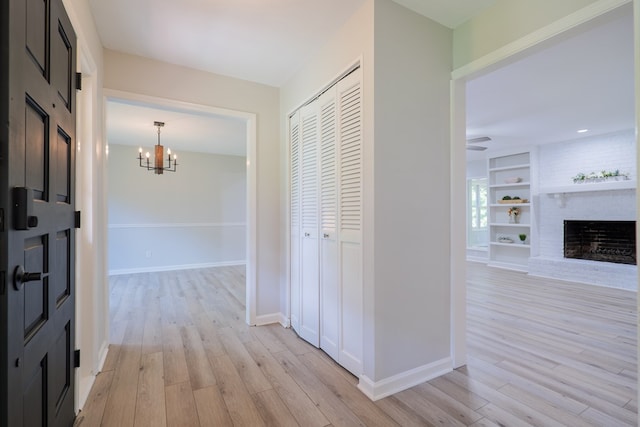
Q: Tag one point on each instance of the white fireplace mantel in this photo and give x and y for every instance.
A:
(628, 184)
(560, 192)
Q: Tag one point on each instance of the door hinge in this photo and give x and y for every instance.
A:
(76, 219)
(76, 359)
(78, 81)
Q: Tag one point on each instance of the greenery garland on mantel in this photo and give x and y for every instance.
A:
(600, 177)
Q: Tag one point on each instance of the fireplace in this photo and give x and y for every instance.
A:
(607, 241)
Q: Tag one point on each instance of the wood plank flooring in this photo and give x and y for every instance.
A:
(541, 353)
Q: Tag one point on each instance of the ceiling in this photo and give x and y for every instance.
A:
(264, 41)
(584, 81)
(131, 123)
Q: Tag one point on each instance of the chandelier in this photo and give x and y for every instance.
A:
(158, 166)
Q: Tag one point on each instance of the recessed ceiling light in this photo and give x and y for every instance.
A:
(583, 130)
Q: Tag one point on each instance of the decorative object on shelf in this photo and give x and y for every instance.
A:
(505, 240)
(513, 215)
(158, 166)
(513, 180)
(600, 177)
(508, 200)
(523, 237)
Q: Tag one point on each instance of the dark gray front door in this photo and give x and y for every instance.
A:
(37, 249)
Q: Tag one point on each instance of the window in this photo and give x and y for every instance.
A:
(477, 227)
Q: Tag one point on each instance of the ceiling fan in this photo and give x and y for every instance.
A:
(476, 141)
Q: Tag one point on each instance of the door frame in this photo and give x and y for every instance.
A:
(252, 182)
(459, 77)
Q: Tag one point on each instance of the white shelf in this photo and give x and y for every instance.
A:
(508, 224)
(508, 168)
(509, 205)
(517, 184)
(595, 186)
(512, 245)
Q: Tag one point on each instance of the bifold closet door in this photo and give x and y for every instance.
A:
(294, 210)
(326, 222)
(309, 328)
(350, 186)
(329, 268)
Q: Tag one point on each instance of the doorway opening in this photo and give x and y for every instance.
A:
(171, 220)
(495, 64)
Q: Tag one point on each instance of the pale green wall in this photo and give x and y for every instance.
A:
(505, 22)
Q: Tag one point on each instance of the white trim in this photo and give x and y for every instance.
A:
(252, 178)
(404, 380)
(157, 268)
(458, 235)
(180, 225)
(87, 382)
(459, 78)
(517, 47)
(269, 319)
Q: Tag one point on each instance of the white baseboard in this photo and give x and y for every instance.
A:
(269, 319)
(84, 388)
(86, 383)
(159, 268)
(404, 380)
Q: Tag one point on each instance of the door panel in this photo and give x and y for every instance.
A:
(37, 146)
(310, 280)
(37, 35)
(294, 136)
(62, 169)
(37, 249)
(61, 64)
(329, 282)
(349, 96)
(35, 292)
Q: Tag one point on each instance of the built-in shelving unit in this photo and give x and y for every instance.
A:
(510, 175)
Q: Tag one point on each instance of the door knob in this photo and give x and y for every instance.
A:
(20, 277)
(326, 235)
(306, 234)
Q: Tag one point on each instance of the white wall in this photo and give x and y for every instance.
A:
(144, 76)
(557, 164)
(477, 169)
(406, 191)
(411, 172)
(194, 217)
(352, 42)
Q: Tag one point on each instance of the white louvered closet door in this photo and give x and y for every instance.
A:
(294, 152)
(329, 269)
(309, 208)
(326, 222)
(349, 125)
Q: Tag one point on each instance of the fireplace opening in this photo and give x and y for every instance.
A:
(607, 241)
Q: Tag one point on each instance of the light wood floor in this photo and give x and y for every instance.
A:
(541, 353)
